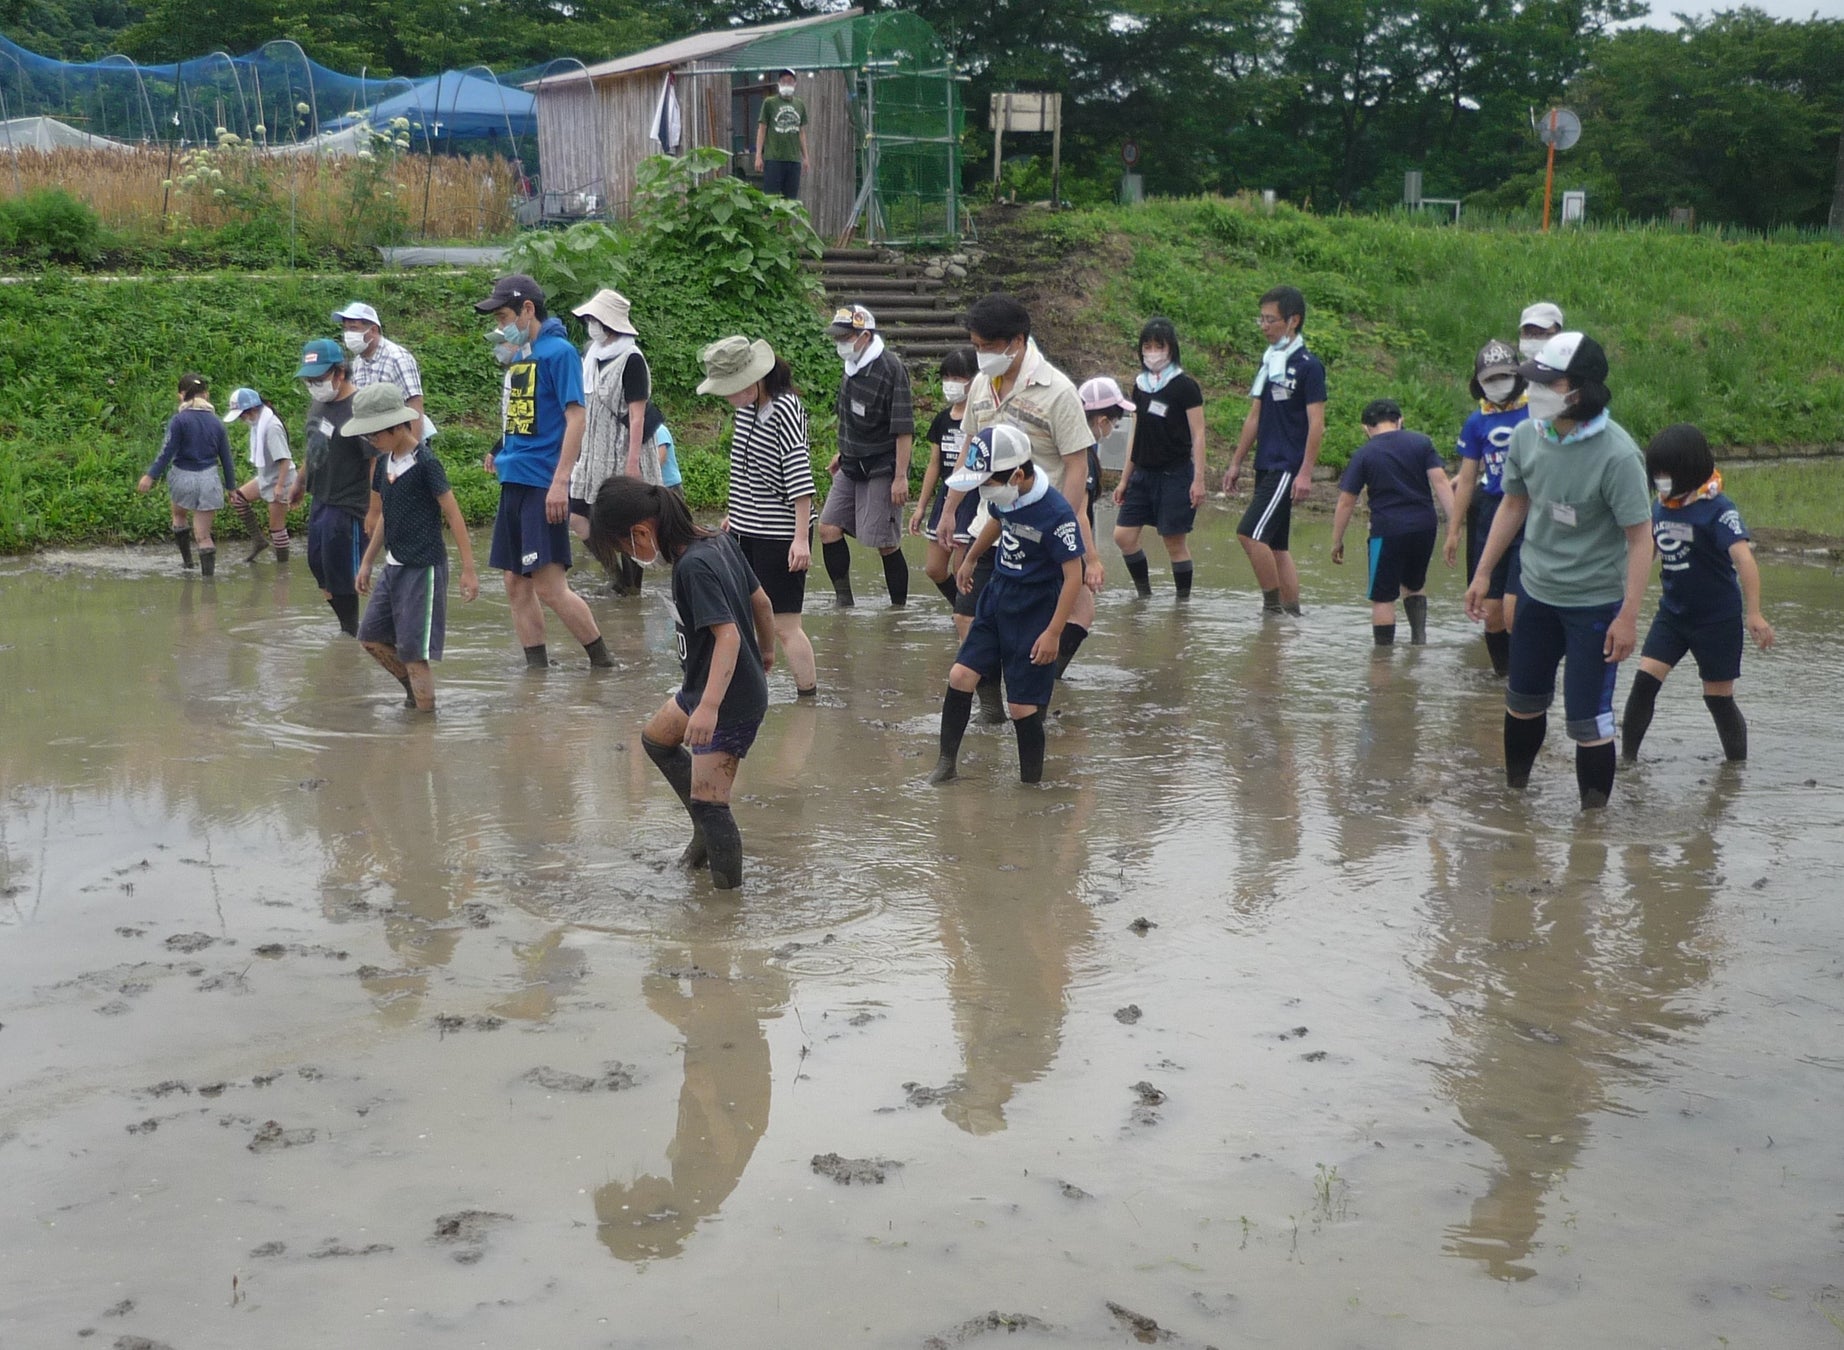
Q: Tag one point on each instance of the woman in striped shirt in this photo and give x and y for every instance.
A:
(771, 483)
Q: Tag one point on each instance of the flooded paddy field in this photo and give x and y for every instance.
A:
(1270, 1019)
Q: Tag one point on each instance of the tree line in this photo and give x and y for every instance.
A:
(1737, 116)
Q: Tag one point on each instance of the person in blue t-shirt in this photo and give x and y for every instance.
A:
(1478, 489)
(1712, 590)
(1018, 628)
(542, 424)
(660, 434)
(1284, 426)
(1402, 474)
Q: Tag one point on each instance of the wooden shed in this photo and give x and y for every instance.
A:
(596, 124)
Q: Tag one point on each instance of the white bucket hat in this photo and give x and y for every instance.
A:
(610, 309)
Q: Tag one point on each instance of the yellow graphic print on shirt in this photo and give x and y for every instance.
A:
(522, 398)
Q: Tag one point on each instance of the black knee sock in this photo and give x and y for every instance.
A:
(896, 577)
(1384, 634)
(536, 658)
(1181, 578)
(1293, 607)
(1074, 635)
(1030, 747)
(1498, 647)
(1416, 607)
(838, 557)
(675, 765)
(1730, 725)
(1523, 738)
(992, 706)
(723, 840)
(598, 654)
(346, 609)
(1638, 714)
(1271, 601)
(1137, 569)
(1594, 774)
(950, 590)
(956, 709)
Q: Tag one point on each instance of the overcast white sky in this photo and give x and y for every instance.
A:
(1661, 16)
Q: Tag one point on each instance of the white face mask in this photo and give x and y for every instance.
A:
(356, 342)
(1531, 346)
(999, 496)
(1545, 403)
(597, 334)
(786, 90)
(1663, 485)
(322, 391)
(644, 562)
(1498, 388)
(846, 347)
(1155, 360)
(995, 364)
(954, 390)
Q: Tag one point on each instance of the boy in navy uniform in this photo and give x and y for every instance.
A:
(1402, 474)
(1479, 490)
(1018, 627)
(1712, 589)
(1284, 426)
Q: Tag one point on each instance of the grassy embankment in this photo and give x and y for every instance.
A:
(1740, 337)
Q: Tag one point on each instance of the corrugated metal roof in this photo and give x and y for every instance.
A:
(698, 47)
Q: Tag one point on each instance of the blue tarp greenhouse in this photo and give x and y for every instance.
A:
(459, 106)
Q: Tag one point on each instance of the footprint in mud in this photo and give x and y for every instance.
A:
(1128, 1015)
(1292, 1035)
(447, 1022)
(334, 1247)
(270, 1136)
(268, 1249)
(1138, 1325)
(918, 1094)
(1072, 1191)
(853, 1171)
(466, 1229)
(979, 1326)
(1146, 1098)
(189, 942)
(614, 1077)
(139, 1343)
(1141, 926)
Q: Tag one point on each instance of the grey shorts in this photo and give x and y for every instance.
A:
(273, 478)
(864, 511)
(196, 489)
(409, 610)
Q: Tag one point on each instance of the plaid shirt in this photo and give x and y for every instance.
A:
(391, 364)
(874, 409)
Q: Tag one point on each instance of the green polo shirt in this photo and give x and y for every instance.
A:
(1583, 495)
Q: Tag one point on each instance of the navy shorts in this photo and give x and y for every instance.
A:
(963, 515)
(1717, 646)
(335, 547)
(967, 605)
(767, 557)
(781, 177)
(409, 610)
(1399, 562)
(1546, 636)
(1504, 579)
(1160, 498)
(1004, 630)
(523, 540)
(1269, 519)
(732, 738)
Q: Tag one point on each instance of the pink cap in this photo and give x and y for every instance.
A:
(1102, 394)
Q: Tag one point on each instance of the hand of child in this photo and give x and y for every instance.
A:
(470, 584)
(1761, 631)
(1450, 551)
(1338, 553)
(1231, 477)
(145, 485)
(800, 555)
(1198, 491)
(701, 728)
(915, 521)
(963, 578)
(1622, 636)
(1046, 649)
(1475, 598)
(363, 580)
(1120, 493)
(1092, 575)
(899, 490)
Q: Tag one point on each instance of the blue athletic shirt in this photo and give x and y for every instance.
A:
(1485, 437)
(1693, 541)
(1036, 537)
(539, 386)
(1280, 437)
(1393, 467)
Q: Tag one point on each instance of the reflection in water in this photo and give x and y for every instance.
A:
(718, 999)
(1552, 979)
(1262, 771)
(1012, 924)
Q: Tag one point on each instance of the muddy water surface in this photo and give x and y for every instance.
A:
(322, 1024)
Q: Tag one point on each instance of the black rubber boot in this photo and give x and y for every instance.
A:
(536, 658)
(675, 766)
(1030, 747)
(992, 706)
(1271, 601)
(838, 558)
(1182, 575)
(1383, 634)
(208, 563)
(1416, 607)
(723, 841)
(1594, 774)
(1139, 570)
(956, 708)
(599, 659)
(183, 539)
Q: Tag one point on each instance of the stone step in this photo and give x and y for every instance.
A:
(884, 285)
(853, 255)
(830, 268)
(923, 332)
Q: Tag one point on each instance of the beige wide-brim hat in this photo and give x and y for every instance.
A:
(610, 309)
(376, 407)
(733, 364)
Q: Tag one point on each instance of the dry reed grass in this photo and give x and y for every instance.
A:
(465, 197)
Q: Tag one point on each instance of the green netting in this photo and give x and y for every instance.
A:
(906, 111)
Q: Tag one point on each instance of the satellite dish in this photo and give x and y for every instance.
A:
(1559, 128)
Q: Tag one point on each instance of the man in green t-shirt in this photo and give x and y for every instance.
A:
(781, 139)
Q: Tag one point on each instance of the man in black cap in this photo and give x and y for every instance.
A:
(542, 423)
(781, 139)
(870, 474)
